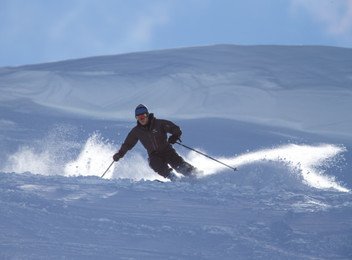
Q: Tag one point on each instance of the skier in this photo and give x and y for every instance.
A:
(152, 133)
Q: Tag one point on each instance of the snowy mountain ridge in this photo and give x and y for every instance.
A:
(189, 82)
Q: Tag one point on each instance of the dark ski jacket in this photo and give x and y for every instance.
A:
(153, 136)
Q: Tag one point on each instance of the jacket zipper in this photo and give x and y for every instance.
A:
(156, 144)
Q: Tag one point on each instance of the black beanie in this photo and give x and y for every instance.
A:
(141, 109)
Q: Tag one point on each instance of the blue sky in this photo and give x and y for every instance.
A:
(38, 31)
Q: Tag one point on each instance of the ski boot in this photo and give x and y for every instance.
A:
(172, 176)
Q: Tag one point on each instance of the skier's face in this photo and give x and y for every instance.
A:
(143, 121)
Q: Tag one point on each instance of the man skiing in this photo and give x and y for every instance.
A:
(152, 133)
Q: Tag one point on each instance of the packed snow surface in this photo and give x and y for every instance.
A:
(279, 114)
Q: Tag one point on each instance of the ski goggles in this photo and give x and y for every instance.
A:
(142, 116)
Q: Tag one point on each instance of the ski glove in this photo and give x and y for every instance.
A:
(116, 157)
(173, 139)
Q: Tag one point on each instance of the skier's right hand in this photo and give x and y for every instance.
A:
(116, 157)
(173, 139)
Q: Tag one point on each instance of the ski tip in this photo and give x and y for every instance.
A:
(156, 180)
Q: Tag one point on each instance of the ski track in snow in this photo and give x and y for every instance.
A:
(214, 217)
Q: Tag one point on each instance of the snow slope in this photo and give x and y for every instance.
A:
(301, 88)
(281, 114)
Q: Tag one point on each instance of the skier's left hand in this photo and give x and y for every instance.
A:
(173, 139)
(116, 157)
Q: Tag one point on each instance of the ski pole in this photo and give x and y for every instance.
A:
(190, 148)
(107, 169)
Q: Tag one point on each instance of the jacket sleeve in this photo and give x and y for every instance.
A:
(171, 128)
(128, 144)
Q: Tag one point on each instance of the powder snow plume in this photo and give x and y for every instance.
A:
(61, 154)
(307, 161)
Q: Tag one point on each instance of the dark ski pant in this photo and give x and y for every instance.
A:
(160, 162)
